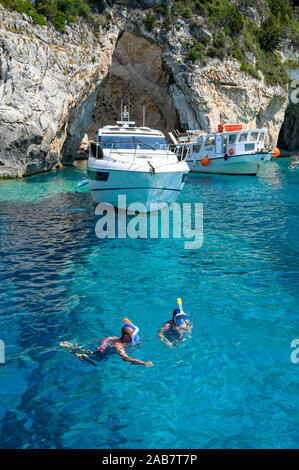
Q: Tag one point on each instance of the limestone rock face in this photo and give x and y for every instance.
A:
(48, 85)
(54, 87)
(219, 93)
(202, 96)
(135, 74)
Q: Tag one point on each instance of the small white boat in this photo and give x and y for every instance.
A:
(230, 151)
(135, 162)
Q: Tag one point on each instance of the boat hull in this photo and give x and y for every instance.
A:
(163, 186)
(247, 164)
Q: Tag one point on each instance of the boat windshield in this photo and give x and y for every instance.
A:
(133, 142)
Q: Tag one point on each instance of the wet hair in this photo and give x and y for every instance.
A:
(174, 313)
(126, 331)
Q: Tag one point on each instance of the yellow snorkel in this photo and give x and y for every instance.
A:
(179, 302)
(180, 317)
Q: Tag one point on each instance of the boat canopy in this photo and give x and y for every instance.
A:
(229, 127)
(132, 142)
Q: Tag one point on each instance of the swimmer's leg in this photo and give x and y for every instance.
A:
(78, 351)
(66, 344)
(84, 357)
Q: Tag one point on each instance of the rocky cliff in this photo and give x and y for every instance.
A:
(55, 86)
(48, 85)
(288, 138)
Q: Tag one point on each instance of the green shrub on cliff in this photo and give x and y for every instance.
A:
(294, 26)
(23, 6)
(183, 8)
(27, 8)
(195, 51)
(58, 12)
(224, 14)
(270, 34)
(280, 9)
(162, 8)
(231, 30)
(236, 35)
(70, 8)
(149, 21)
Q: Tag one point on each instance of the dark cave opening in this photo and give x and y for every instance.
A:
(136, 76)
(288, 138)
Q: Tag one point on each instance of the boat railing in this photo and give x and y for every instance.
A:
(180, 150)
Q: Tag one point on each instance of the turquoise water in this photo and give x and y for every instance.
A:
(232, 385)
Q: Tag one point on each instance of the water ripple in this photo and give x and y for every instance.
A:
(231, 385)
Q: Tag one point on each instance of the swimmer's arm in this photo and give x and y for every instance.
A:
(125, 357)
(161, 334)
(190, 326)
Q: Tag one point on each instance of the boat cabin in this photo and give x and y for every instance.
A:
(127, 138)
(229, 140)
(115, 137)
(130, 141)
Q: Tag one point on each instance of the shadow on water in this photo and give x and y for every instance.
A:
(38, 241)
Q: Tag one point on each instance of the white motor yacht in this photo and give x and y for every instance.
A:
(230, 151)
(135, 162)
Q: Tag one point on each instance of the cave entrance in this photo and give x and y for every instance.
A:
(136, 74)
(288, 138)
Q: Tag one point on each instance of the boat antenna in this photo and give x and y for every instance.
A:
(125, 116)
(143, 116)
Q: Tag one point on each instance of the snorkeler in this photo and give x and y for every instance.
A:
(178, 326)
(129, 336)
(294, 163)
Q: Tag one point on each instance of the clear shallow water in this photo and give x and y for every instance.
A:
(231, 386)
